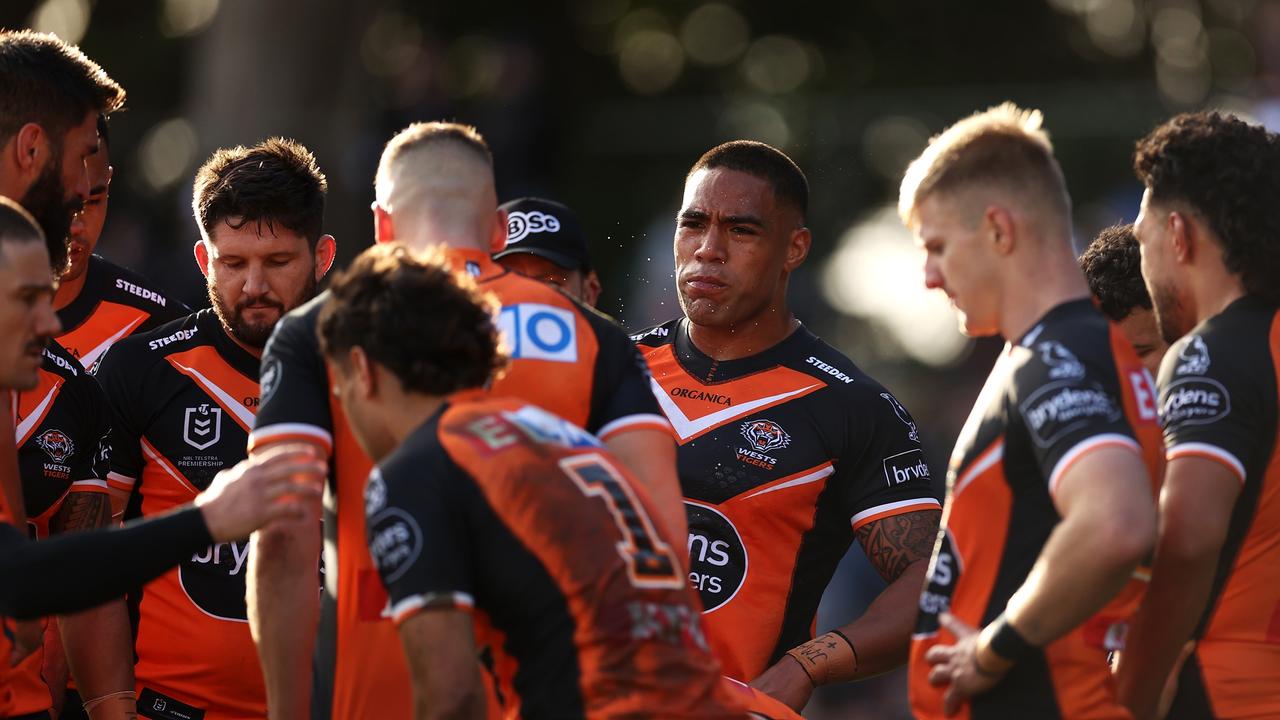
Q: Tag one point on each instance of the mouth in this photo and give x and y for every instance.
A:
(704, 284)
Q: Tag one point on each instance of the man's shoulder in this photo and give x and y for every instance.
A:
(297, 328)
(123, 285)
(140, 350)
(657, 335)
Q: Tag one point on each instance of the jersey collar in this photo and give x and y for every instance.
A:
(709, 370)
(475, 263)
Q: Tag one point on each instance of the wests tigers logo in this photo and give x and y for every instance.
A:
(56, 444)
(765, 435)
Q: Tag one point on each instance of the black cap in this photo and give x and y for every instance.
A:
(547, 229)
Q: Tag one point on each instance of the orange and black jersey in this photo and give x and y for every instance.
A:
(566, 359)
(1071, 385)
(783, 456)
(63, 437)
(114, 303)
(183, 398)
(501, 508)
(1219, 399)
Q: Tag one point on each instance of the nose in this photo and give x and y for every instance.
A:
(932, 275)
(46, 320)
(77, 225)
(255, 281)
(712, 246)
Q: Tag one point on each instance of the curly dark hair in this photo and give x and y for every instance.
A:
(409, 313)
(275, 182)
(1228, 172)
(1113, 266)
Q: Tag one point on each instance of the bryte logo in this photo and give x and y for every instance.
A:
(202, 426)
(905, 467)
(523, 224)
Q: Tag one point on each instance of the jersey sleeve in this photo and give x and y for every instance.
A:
(417, 536)
(1070, 404)
(91, 465)
(123, 397)
(881, 466)
(1206, 405)
(294, 384)
(622, 398)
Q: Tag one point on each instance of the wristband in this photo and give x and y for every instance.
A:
(1007, 642)
(121, 705)
(826, 658)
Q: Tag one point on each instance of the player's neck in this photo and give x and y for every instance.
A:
(69, 290)
(411, 410)
(1030, 295)
(254, 351)
(744, 339)
(1212, 293)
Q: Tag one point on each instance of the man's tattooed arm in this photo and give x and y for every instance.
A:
(894, 543)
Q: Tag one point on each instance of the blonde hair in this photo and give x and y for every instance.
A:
(1003, 147)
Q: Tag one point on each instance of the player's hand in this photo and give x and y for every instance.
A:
(274, 486)
(27, 636)
(956, 666)
(787, 682)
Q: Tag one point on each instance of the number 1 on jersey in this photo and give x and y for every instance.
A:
(650, 561)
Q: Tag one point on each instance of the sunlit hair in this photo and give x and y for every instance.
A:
(1003, 147)
(17, 225)
(46, 81)
(424, 134)
(430, 327)
(275, 183)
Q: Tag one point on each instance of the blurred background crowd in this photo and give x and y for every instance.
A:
(604, 105)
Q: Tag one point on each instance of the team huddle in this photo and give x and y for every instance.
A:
(446, 487)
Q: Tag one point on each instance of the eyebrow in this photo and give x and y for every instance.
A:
(744, 220)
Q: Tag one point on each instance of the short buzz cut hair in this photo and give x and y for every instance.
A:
(16, 224)
(275, 183)
(46, 81)
(430, 327)
(1112, 265)
(762, 161)
(422, 134)
(1227, 172)
(1003, 147)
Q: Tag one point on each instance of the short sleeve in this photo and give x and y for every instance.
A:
(882, 465)
(294, 383)
(1206, 405)
(417, 535)
(622, 397)
(124, 458)
(1070, 403)
(91, 465)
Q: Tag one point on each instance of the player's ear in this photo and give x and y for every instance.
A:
(498, 240)
(798, 244)
(384, 229)
(999, 228)
(31, 149)
(202, 256)
(1182, 236)
(591, 288)
(362, 368)
(326, 251)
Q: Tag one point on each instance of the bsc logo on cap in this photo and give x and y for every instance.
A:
(523, 224)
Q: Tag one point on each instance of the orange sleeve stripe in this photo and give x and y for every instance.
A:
(291, 432)
(1209, 452)
(881, 512)
(415, 604)
(1083, 448)
(645, 421)
(90, 486)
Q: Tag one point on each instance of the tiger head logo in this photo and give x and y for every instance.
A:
(765, 435)
(56, 444)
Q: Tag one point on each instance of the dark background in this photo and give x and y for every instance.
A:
(605, 104)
